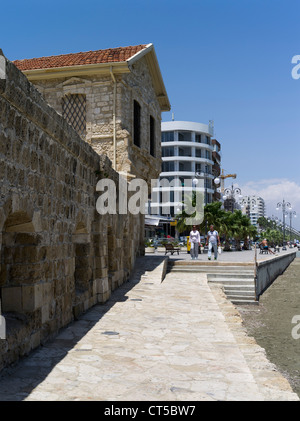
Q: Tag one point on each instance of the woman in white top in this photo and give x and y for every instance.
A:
(195, 242)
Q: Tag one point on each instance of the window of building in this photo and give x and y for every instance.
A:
(168, 151)
(198, 153)
(184, 151)
(185, 166)
(207, 183)
(198, 138)
(169, 179)
(207, 140)
(152, 136)
(74, 111)
(167, 137)
(167, 166)
(185, 136)
(207, 169)
(198, 167)
(136, 123)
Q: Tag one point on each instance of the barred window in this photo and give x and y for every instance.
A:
(74, 111)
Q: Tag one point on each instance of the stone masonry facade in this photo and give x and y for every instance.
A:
(109, 94)
(99, 127)
(59, 257)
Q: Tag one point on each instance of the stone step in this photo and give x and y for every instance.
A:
(212, 263)
(231, 275)
(207, 269)
(231, 281)
(238, 293)
(236, 287)
(210, 267)
(243, 300)
(237, 280)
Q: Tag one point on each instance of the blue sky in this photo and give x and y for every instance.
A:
(225, 60)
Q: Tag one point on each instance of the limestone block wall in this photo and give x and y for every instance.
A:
(58, 256)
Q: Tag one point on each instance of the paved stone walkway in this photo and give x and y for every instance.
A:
(244, 256)
(176, 340)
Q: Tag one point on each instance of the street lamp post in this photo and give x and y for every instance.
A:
(284, 205)
(203, 175)
(230, 193)
(195, 182)
(291, 214)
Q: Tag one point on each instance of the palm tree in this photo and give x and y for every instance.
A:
(190, 202)
(263, 222)
(226, 228)
(229, 225)
(221, 219)
(213, 214)
(247, 230)
(274, 236)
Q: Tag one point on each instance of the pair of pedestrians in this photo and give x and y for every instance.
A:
(212, 240)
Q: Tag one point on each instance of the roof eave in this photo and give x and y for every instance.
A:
(105, 68)
(81, 70)
(149, 53)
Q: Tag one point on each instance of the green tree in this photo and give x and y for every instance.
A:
(229, 225)
(263, 222)
(183, 217)
(246, 229)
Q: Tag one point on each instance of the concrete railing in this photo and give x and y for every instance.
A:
(268, 270)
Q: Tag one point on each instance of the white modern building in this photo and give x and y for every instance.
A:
(254, 207)
(186, 163)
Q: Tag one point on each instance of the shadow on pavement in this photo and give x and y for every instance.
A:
(19, 380)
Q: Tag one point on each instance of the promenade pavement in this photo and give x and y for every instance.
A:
(173, 340)
(244, 256)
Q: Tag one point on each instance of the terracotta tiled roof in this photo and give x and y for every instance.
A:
(110, 55)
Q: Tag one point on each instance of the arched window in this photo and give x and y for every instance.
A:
(152, 136)
(136, 123)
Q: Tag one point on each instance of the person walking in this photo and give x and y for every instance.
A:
(195, 242)
(213, 241)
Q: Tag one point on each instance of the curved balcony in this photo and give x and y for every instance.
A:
(187, 159)
(190, 126)
(190, 143)
(188, 174)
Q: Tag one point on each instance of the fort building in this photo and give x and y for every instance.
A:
(65, 125)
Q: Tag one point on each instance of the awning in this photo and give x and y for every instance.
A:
(154, 222)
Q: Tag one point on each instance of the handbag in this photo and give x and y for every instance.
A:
(219, 250)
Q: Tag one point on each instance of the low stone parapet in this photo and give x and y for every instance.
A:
(268, 270)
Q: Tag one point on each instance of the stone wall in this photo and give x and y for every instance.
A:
(58, 255)
(268, 270)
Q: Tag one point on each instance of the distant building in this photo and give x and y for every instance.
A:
(186, 154)
(253, 207)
